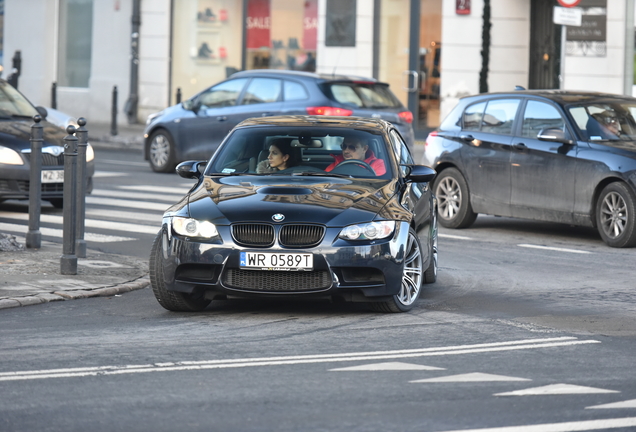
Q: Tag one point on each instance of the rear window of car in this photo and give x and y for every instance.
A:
(361, 95)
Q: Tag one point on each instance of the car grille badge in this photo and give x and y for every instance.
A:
(278, 217)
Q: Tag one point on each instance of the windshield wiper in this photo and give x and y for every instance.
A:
(231, 174)
(320, 174)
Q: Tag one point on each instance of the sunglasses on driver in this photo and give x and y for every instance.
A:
(351, 147)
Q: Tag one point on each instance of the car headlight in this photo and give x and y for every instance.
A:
(189, 227)
(368, 231)
(153, 116)
(90, 153)
(10, 157)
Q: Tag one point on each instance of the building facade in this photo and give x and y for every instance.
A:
(431, 52)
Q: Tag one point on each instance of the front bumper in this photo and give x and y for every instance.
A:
(354, 272)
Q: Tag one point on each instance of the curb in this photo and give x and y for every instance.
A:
(135, 284)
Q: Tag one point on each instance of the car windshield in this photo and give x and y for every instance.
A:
(298, 151)
(611, 120)
(362, 94)
(12, 103)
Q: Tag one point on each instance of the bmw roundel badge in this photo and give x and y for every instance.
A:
(278, 217)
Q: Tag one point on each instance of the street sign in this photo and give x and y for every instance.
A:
(567, 16)
(569, 3)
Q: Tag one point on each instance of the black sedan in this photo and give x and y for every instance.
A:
(194, 128)
(16, 118)
(546, 155)
(284, 209)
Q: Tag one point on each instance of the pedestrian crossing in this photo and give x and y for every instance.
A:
(122, 214)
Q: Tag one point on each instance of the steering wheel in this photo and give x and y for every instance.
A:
(359, 162)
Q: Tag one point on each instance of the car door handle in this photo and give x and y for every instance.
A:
(221, 118)
(520, 146)
(267, 114)
(467, 138)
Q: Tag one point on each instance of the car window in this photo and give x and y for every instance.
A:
(538, 116)
(499, 116)
(605, 120)
(13, 103)
(262, 90)
(401, 151)
(224, 94)
(473, 115)
(362, 94)
(304, 151)
(295, 91)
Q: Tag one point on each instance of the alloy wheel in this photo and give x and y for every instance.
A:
(412, 273)
(613, 215)
(449, 195)
(159, 150)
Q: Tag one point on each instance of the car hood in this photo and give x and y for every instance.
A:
(16, 134)
(326, 200)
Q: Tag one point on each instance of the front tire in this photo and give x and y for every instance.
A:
(453, 199)
(412, 279)
(171, 300)
(616, 215)
(161, 152)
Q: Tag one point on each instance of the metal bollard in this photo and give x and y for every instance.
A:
(82, 143)
(178, 95)
(113, 113)
(68, 261)
(33, 236)
(54, 95)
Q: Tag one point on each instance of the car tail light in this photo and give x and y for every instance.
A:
(407, 116)
(328, 111)
(432, 134)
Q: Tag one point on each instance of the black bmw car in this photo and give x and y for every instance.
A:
(16, 118)
(194, 128)
(284, 209)
(550, 155)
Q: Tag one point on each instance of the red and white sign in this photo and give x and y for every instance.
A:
(258, 24)
(462, 7)
(569, 3)
(310, 25)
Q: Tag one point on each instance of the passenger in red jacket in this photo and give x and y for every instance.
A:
(355, 148)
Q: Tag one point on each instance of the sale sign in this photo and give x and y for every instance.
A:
(258, 24)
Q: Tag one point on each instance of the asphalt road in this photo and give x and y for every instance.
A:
(530, 326)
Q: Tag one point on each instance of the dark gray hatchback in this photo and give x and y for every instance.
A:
(194, 128)
(547, 155)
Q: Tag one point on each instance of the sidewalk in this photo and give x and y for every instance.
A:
(32, 276)
(128, 136)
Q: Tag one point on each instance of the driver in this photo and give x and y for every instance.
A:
(610, 126)
(355, 148)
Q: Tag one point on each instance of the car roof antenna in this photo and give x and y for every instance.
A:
(518, 87)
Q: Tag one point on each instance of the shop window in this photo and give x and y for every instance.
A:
(75, 39)
(262, 90)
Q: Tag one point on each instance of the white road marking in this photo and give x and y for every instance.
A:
(293, 360)
(556, 389)
(91, 223)
(55, 232)
(586, 425)
(156, 196)
(472, 377)
(127, 163)
(387, 366)
(455, 237)
(99, 174)
(126, 203)
(159, 189)
(136, 216)
(554, 248)
(624, 404)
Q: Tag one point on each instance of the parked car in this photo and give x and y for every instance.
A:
(16, 119)
(296, 230)
(194, 128)
(548, 155)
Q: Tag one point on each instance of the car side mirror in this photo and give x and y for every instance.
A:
(553, 135)
(191, 169)
(42, 111)
(191, 104)
(420, 174)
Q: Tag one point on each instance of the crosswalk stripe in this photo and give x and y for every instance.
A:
(136, 216)
(126, 203)
(160, 189)
(93, 223)
(585, 425)
(157, 196)
(56, 232)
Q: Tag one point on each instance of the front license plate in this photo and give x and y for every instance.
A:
(277, 261)
(53, 176)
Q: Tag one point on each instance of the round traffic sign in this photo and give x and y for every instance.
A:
(569, 3)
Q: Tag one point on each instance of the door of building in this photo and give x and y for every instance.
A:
(545, 46)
